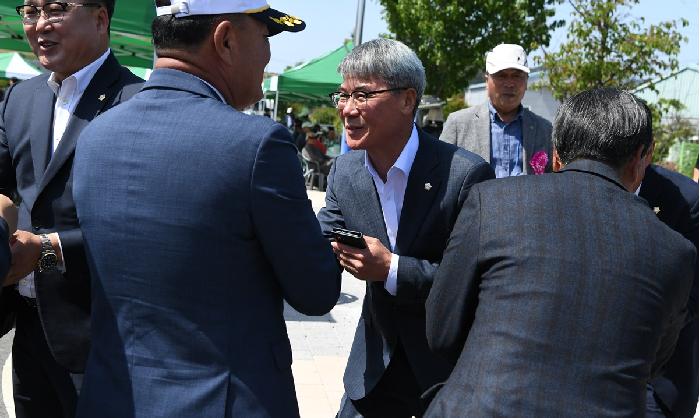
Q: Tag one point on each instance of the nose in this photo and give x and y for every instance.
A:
(350, 108)
(43, 24)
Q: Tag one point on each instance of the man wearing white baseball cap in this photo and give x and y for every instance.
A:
(511, 138)
(198, 227)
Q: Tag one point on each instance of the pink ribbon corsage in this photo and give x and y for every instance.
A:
(538, 162)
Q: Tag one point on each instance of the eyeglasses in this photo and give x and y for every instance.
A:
(340, 99)
(53, 11)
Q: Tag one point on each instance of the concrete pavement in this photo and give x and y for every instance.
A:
(320, 348)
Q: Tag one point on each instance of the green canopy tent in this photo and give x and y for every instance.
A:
(130, 39)
(310, 82)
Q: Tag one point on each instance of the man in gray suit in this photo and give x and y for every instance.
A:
(511, 138)
(562, 294)
(402, 189)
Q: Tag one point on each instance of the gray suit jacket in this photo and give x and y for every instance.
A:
(471, 129)
(425, 224)
(553, 301)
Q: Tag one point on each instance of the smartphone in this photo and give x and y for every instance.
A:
(348, 237)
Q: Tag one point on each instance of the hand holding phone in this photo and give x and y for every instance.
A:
(349, 237)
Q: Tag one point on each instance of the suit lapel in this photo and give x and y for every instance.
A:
(370, 208)
(41, 128)
(483, 132)
(422, 187)
(529, 130)
(97, 95)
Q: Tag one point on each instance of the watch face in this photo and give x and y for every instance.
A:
(48, 262)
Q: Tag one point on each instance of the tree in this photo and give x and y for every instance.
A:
(607, 47)
(451, 37)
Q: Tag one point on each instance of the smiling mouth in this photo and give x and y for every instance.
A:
(46, 44)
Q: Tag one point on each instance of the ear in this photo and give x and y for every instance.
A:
(556, 162)
(103, 21)
(409, 102)
(632, 172)
(224, 39)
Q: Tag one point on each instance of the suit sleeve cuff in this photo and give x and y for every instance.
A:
(391, 279)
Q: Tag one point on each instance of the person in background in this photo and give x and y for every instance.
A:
(674, 199)
(512, 138)
(568, 318)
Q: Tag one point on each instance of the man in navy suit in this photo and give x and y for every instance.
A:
(674, 199)
(198, 227)
(48, 288)
(402, 189)
(562, 294)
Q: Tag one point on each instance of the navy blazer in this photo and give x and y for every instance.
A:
(425, 224)
(197, 226)
(44, 184)
(675, 198)
(552, 300)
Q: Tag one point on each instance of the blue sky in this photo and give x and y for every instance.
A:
(329, 22)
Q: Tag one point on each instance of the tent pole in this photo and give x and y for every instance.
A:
(359, 22)
(277, 99)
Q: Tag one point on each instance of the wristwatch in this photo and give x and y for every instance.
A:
(48, 259)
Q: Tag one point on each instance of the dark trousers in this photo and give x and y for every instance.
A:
(42, 387)
(397, 394)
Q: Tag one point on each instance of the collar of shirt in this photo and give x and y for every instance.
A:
(213, 88)
(494, 113)
(78, 82)
(403, 163)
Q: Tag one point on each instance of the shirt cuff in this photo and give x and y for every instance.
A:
(391, 279)
(61, 266)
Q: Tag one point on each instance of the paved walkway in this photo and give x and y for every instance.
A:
(320, 347)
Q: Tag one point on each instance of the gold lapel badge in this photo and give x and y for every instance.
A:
(657, 210)
(428, 186)
(102, 97)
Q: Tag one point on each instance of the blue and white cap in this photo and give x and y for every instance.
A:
(275, 20)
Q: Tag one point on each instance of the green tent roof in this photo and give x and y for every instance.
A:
(131, 31)
(311, 81)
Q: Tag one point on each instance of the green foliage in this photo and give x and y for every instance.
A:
(453, 104)
(327, 116)
(669, 130)
(451, 37)
(606, 47)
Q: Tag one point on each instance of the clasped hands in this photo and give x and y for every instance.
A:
(370, 264)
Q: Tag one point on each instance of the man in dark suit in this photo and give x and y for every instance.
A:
(562, 294)
(40, 121)
(402, 189)
(674, 199)
(198, 226)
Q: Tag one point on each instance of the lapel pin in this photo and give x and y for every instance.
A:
(428, 186)
(657, 210)
(102, 97)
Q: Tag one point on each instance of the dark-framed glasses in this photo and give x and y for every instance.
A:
(53, 11)
(340, 99)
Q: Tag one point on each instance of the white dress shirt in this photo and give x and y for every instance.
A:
(68, 94)
(391, 196)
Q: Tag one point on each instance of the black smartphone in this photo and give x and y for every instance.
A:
(348, 237)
